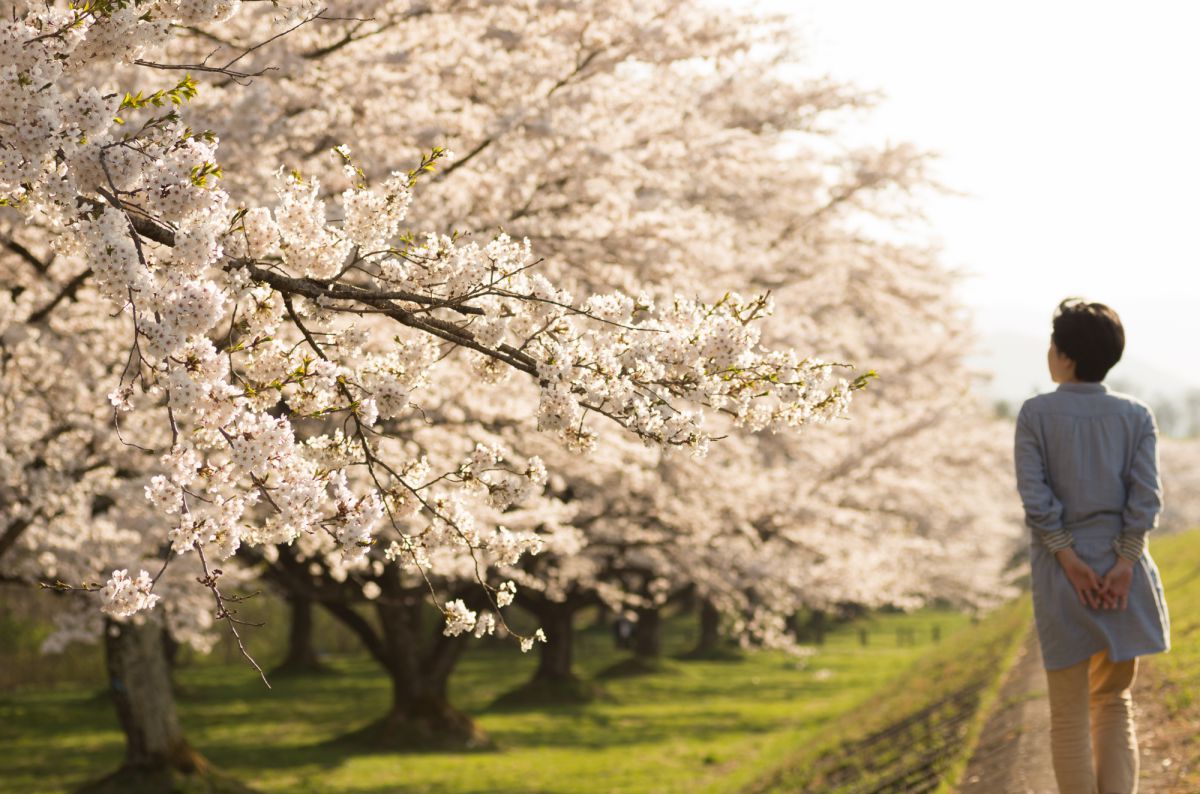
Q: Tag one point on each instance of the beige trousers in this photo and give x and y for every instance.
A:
(1092, 737)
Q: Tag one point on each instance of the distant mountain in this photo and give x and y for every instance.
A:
(1017, 364)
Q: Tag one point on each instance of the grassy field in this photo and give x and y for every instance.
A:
(692, 726)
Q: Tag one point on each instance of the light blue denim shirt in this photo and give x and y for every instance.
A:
(1087, 466)
(1087, 458)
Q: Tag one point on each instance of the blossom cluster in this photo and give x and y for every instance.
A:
(654, 370)
(124, 597)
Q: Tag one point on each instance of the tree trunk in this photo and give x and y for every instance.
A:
(302, 653)
(139, 682)
(555, 664)
(815, 630)
(157, 756)
(647, 633)
(791, 624)
(710, 628)
(604, 617)
(170, 651)
(420, 709)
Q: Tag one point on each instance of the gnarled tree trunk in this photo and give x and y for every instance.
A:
(813, 630)
(418, 659)
(139, 681)
(419, 675)
(554, 681)
(157, 756)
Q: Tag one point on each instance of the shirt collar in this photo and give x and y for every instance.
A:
(1084, 388)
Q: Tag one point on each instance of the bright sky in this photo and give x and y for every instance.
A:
(1075, 129)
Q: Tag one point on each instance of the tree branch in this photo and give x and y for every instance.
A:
(67, 292)
(27, 255)
(11, 534)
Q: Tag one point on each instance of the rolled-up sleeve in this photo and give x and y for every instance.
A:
(1043, 510)
(1143, 488)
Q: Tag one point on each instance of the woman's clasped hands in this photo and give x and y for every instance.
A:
(1110, 591)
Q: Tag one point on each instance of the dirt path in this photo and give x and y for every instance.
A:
(1164, 743)
(1013, 754)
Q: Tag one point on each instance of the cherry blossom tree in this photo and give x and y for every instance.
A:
(644, 147)
(263, 347)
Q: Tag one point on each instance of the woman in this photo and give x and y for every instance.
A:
(1087, 471)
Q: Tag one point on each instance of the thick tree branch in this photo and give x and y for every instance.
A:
(430, 325)
(287, 572)
(67, 292)
(27, 255)
(12, 534)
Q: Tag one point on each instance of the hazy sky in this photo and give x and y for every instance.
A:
(1075, 129)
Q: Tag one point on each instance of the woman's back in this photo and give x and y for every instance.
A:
(1098, 455)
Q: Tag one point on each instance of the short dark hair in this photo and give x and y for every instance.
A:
(1091, 335)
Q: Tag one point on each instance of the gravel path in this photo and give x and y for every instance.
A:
(1013, 754)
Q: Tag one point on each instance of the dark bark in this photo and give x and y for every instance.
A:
(418, 670)
(647, 633)
(710, 628)
(419, 675)
(156, 753)
(813, 630)
(170, 650)
(557, 655)
(554, 681)
(792, 624)
(157, 756)
(12, 533)
(302, 652)
(139, 682)
(421, 711)
(604, 617)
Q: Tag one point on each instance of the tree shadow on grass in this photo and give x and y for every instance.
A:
(379, 737)
(386, 736)
(538, 694)
(719, 654)
(633, 666)
(131, 779)
(604, 730)
(301, 670)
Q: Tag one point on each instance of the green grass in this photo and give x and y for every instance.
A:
(977, 657)
(1178, 671)
(692, 726)
(1178, 560)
